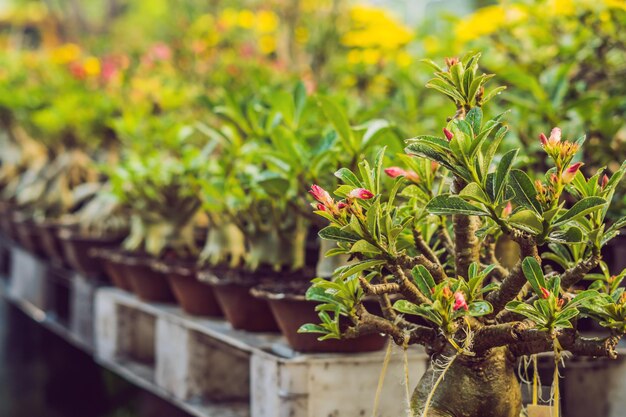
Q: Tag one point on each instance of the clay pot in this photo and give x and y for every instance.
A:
(110, 260)
(291, 310)
(147, 284)
(50, 241)
(196, 298)
(242, 310)
(80, 251)
(27, 234)
(6, 220)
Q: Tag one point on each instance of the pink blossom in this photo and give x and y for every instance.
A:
(341, 205)
(449, 135)
(321, 195)
(543, 139)
(570, 172)
(394, 172)
(459, 301)
(361, 193)
(508, 209)
(605, 181)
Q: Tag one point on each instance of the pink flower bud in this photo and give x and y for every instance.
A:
(570, 172)
(543, 139)
(544, 293)
(449, 135)
(394, 172)
(555, 136)
(341, 205)
(361, 193)
(605, 181)
(508, 209)
(321, 207)
(459, 302)
(321, 195)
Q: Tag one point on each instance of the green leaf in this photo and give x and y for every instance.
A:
(424, 280)
(348, 177)
(502, 172)
(527, 220)
(312, 328)
(525, 193)
(363, 246)
(358, 267)
(338, 118)
(474, 192)
(527, 311)
(581, 208)
(475, 118)
(447, 204)
(335, 233)
(480, 308)
(534, 274)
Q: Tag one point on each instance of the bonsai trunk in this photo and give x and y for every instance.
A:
(483, 386)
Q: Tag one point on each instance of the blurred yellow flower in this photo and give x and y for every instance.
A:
(488, 20)
(431, 44)
(267, 44)
(245, 19)
(66, 53)
(228, 18)
(371, 56)
(374, 28)
(267, 21)
(404, 59)
(302, 34)
(355, 57)
(617, 4)
(91, 66)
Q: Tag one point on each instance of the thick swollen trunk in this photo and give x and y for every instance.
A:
(472, 387)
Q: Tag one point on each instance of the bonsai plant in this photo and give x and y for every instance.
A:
(159, 189)
(426, 249)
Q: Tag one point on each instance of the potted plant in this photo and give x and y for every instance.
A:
(476, 316)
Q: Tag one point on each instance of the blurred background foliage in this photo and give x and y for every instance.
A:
(99, 71)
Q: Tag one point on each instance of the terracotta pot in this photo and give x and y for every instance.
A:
(110, 260)
(147, 284)
(242, 310)
(291, 310)
(6, 220)
(50, 241)
(28, 235)
(195, 297)
(80, 251)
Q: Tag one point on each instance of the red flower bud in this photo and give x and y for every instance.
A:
(361, 193)
(341, 205)
(321, 207)
(561, 302)
(321, 195)
(449, 135)
(543, 139)
(508, 209)
(605, 181)
(459, 301)
(570, 172)
(446, 292)
(544, 293)
(394, 172)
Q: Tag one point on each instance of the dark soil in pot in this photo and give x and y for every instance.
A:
(291, 310)
(242, 310)
(114, 269)
(147, 284)
(195, 297)
(80, 252)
